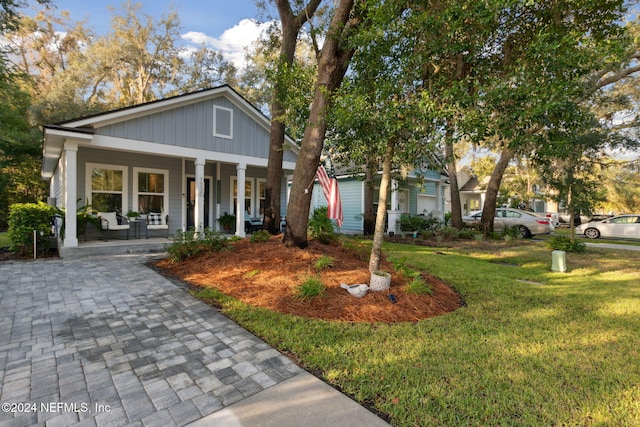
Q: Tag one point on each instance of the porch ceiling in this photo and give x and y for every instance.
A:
(53, 144)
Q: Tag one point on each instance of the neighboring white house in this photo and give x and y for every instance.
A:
(181, 156)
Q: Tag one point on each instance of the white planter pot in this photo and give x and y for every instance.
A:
(380, 281)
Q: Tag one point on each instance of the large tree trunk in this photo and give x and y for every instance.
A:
(378, 235)
(332, 66)
(491, 199)
(456, 206)
(273, 186)
(291, 25)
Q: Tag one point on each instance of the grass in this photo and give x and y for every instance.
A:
(581, 238)
(4, 239)
(531, 347)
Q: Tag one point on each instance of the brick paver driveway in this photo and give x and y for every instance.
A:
(108, 341)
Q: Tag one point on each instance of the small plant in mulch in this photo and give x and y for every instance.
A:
(260, 236)
(418, 286)
(323, 262)
(310, 288)
(415, 282)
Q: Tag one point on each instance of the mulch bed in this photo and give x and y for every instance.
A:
(7, 255)
(266, 275)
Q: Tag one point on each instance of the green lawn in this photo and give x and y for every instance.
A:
(530, 348)
(4, 239)
(581, 238)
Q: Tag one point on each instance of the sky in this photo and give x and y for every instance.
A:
(225, 25)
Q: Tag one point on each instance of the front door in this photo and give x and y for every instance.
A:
(191, 202)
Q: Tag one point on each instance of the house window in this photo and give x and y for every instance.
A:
(222, 122)
(151, 190)
(106, 187)
(249, 194)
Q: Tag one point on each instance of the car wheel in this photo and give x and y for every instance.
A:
(592, 233)
(524, 232)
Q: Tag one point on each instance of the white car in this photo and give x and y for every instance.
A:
(529, 223)
(625, 226)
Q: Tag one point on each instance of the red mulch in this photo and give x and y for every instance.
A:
(266, 274)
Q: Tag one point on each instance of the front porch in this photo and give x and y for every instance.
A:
(115, 247)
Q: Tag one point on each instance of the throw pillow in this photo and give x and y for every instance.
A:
(155, 218)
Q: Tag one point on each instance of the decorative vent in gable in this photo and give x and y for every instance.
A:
(222, 122)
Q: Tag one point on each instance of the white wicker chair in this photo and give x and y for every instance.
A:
(111, 221)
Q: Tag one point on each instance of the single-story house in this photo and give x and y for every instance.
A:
(180, 156)
(472, 191)
(422, 192)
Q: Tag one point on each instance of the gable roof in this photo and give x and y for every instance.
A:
(84, 127)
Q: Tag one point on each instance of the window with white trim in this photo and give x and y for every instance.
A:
(150, 190)
(248, 195)
(106, 187)
(222, 122)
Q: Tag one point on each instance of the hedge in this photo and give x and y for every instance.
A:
(26, 217)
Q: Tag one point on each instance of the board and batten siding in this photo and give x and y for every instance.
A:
(192, 126)
(351, 195)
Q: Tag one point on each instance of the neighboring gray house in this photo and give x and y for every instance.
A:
(423, 193)
(181, 156)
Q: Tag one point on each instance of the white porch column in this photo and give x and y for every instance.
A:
(71, 194)
(241, 170)
(393, 215)
(394, 195)
(199, 207)
(218, 189)
(439, 211)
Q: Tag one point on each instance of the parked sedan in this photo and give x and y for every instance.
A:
(528, 223)
(625, 226)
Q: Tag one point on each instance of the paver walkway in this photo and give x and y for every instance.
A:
(108, 341)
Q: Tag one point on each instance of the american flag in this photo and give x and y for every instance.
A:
(327, 179)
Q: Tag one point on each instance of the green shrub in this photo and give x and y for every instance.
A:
(260, 236)
(24, 218)
(320, 226)
(310, 288)
(189, 243)
(564, 243)
(509, 233)
(447, 233)
(419, 223)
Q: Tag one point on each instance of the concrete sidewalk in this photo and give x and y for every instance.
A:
(109, 342)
